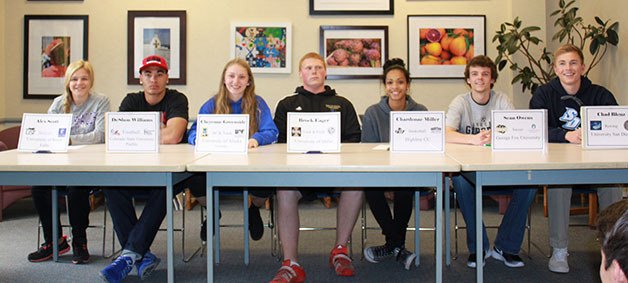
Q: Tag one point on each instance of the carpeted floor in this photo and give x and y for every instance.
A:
(18, 235)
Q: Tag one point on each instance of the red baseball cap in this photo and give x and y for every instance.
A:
(154, 60)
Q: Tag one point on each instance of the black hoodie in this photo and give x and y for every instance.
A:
(563, 115)
(326, 101)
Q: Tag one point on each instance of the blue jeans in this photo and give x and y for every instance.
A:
(512, 228)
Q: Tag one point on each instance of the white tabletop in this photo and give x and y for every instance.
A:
(559, 156)
(93, 158)
(352, 158)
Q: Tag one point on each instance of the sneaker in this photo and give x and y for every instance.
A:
(471, 261)
(376, 254)
(289, 273)
(510, 260)
(256, 225)
(45, 251)
(81, 254)
(147, 265)
(340, 261)
(558, 262)
(405, 257)
(117, 270)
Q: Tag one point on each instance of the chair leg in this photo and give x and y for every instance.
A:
(545, 213)
(593, 207)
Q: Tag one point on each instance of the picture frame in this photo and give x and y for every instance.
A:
(267, 47)
(51, 43)
(352, 7)
(53, 0)
(439, 46)
(157, 32)
(354, 52)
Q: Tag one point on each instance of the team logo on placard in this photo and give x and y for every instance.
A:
(501, 129)
(62, 132)
(596, 125)
(295, 131)
(399, 131)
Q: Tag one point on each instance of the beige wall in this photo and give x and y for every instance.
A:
(207, 45)
(3, 89)
(612, 72)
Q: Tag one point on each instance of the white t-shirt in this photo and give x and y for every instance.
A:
(468, 117)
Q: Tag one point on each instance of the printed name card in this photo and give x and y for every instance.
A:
(417, 131)
(132, 131)
(313, 132)
(221, 133)
(45, 132)
(604, 126)
(519, 129)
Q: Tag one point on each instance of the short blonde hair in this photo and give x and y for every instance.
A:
(568, 48)
(312, 55)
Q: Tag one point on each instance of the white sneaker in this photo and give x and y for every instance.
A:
(558, 262)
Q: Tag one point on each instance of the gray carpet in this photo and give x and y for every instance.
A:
(18, 235)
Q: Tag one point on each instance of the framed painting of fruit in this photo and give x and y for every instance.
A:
(354, 52)
(439, 46)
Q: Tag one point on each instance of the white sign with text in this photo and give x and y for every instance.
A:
(132, 131)
(519, 129)
(604, 126)
(45, 132)
(417, 131)
(222, 133)
(313, 132)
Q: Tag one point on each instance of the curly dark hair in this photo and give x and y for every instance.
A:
(395, 64)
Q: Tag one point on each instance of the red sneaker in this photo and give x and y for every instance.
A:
(289, 273)
(340, 261)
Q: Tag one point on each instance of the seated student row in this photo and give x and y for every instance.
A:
(466, 123)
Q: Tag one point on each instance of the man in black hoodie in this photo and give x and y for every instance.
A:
(562, 97)
(315, 96)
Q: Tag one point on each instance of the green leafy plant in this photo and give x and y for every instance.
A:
(537, 69)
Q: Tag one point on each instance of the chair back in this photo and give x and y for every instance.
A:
(10, 136)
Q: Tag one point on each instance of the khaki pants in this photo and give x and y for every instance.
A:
(559, 203)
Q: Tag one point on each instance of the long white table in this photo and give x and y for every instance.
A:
(90, 165)
(562, 164)
(356, 166)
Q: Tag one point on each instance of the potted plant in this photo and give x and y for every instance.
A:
(537, 69)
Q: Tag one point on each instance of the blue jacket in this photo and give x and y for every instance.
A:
(267, 131)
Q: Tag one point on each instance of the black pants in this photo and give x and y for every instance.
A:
(393, 227)
(135, 234)
(78, 203)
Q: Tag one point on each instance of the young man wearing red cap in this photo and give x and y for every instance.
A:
(137, 235)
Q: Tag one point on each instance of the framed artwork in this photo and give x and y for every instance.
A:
(51, 43)
(267, 47)
(52, 0)
(439, 46)
(160, 33)
(352, 7)
(354, 52)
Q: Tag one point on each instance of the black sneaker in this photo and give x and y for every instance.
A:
(81, 254)
(471, 261)
(405, 257)
(378, 253)
(510, 260)
(45, 251)
(256, 225)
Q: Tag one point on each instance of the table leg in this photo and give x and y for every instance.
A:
(209, 192)
(55, 224)
(479, 259)
(447, 220)
(417, 225)
(246, 225)
(170, 245)
(439, 228)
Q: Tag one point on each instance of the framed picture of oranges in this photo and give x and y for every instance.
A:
(354, 52)
(439, 46)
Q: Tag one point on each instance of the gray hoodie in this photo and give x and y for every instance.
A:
(376, 122)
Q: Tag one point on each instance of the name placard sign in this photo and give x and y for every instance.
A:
(519, 129)
(417, 131)
(222, 133)
(45, 132)
(313, 132)
(604, 127)
(132, 131)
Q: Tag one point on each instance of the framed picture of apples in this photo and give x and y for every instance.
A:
(439, 46)
(354, 52)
